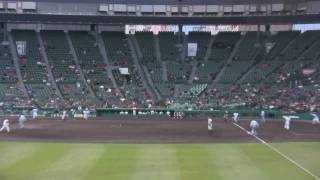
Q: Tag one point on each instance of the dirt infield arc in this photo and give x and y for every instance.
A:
(160, 131)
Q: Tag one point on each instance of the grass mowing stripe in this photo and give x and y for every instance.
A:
(35, 162)
(116, 162)
(306, 154)
(281, 154)
(12, 153)
(156, 162)
(194, 163)
(73, 165)
(231, 163)
(274, 165)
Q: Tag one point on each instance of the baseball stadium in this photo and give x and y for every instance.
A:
(159, 89)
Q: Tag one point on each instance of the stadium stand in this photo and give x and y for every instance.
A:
(282, 69)
(120, 55)
(33, 70)
(64, 69)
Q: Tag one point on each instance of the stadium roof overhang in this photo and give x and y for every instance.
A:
(98, 19)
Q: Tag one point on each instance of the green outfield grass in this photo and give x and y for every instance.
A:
(59, 161)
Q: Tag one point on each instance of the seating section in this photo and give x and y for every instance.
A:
(248, 47)
(178, 72)
(279, 41)
(191, 90)
(33, 70)
(169, 46)
(242, 59)
(234, 71)
(307, 57)
(59, 56)
(223, 45)
(91, 62)
(156, 72)
(7, 69)
(207, 71)
(261, 71)
(165, 89)
(147, 45)
(202, 39)
(285, 77)
(39, 92)
(302, 43)
(117, 48)
(32, 66)
(12, 96)
(64, 68)
(120, 55)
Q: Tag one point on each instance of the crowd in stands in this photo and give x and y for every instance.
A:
(268, 85)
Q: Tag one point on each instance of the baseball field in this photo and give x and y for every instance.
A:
(173, 150)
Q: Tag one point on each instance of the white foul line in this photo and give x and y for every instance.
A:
(277, 151)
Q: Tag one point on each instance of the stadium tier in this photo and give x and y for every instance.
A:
(113, 69)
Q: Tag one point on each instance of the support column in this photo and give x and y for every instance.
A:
(5, 33)
(180, 38)
(258, 35)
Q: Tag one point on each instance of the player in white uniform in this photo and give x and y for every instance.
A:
(254, 125)
(315, 119)
(22, 119)
(64, 115)
(210, 125)
(86, 114)
(236, 117)
(34, 113)
(262, 114)
(5, 126)
(287, 121)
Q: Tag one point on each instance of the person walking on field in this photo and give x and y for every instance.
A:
(262, 114)
(210, 125)
(5, 126)
(254, 125)
(22, 119)
(315, 119)
(64, 115)
(34, 113)
(86, 114)
(288, 120)
(235, 117)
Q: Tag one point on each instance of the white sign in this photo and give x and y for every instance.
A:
(192, 49)
(124, 71)
(21, 48)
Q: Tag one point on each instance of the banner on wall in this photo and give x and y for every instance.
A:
(192, 49)
(308, 71)
(21, 47)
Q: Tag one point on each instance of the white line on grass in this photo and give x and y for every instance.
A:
(277, 151)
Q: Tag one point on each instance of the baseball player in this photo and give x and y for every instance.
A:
(236, 117)
(210, 125)
(5, 126)
(22, 119)
(34, 113)
(287, 121)
(225, 116)
(262, 114)
(254, 125)
(64, 115)
(86, 114)
(315, 119)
